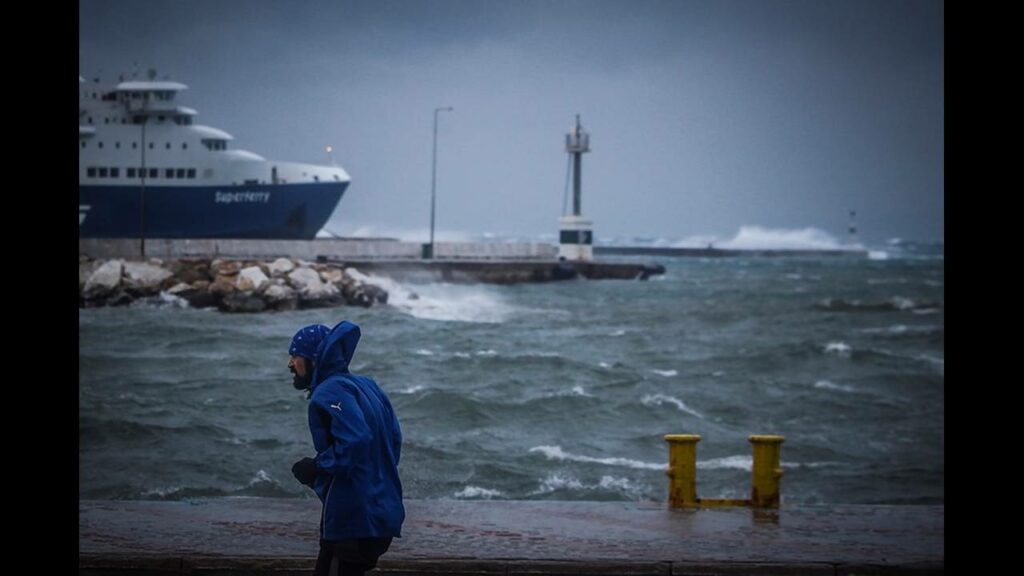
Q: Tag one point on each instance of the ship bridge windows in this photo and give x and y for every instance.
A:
(213, 144)
(133, 172)
(183, 120)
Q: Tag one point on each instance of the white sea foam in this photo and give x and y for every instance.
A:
(813, 465)
(556, 453)
(758, 238)
(618, 333)
(562, 481)
(894, 329)
(613, 483)
(462, 355)
(163, 300)
(558, 481)
(729, 462)
(604, 365)
(839, 349)
(486, 353)
(261, 477)
(827, 385)
(445, 302)
(902, 329)
(666, 373)
(424, 352)
(477, 492)
(878, 255)
(901, 303)
(412, 389)
(659, 399)
(162, 492)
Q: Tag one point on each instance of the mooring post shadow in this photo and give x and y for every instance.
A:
(682, 473)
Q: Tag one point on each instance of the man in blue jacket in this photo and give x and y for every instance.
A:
(358, 443)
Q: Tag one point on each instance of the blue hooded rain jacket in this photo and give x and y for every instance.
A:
(358, 443)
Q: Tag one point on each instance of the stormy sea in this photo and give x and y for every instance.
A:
(559, 391)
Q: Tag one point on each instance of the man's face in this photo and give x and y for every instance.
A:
(298, 365)
(302, 379)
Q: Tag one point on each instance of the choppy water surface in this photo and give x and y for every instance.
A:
(550, 391)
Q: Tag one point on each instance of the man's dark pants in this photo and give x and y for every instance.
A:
(349, 557)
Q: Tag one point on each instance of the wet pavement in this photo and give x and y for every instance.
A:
(279, 536)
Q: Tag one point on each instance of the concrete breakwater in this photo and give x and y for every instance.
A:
(495, 263)
(228, 285)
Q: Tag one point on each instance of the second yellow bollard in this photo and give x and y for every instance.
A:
(764, 492)
(682, 469)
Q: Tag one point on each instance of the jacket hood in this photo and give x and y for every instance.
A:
(335, 352)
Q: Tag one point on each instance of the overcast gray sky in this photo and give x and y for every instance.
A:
(705, 116)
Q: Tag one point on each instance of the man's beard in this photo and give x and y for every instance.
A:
(302, 382)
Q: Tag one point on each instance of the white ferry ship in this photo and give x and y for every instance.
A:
(148, 170)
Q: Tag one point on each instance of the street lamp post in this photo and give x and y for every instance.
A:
(429, 252)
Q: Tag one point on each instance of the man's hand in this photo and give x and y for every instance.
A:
(305, 471)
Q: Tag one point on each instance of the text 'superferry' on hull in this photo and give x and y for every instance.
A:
(147, 170)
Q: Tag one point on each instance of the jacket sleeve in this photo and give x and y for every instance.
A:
(348, 431)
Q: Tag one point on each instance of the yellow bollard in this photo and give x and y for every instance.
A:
(764, 492)
(682, 469)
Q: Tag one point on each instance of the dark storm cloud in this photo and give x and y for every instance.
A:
(705, 116)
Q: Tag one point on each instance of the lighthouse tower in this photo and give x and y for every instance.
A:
(576, 233)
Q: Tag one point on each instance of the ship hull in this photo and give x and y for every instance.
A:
(279, 211)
